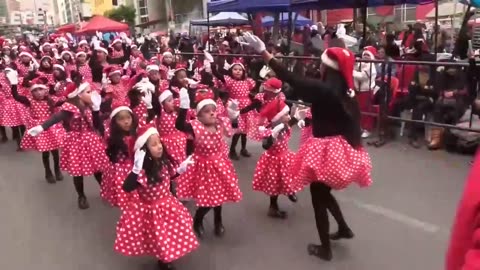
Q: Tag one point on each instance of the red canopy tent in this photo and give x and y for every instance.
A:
(70, 28)
(102, 24)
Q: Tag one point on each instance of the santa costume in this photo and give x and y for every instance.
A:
(272, 174)
(156, 224)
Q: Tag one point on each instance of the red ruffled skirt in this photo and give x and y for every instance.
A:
(273, 176)
(176, 145)
(111, 187)
(162, 229)
(332, 161)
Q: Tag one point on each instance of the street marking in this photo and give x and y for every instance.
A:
(394, 215)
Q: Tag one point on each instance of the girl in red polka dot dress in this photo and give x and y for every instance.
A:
(41, 107)
(83, 153)
(123, 126)
(239, 88)
(334, 157)
(272, 174)
(212, 180)
(156, 224)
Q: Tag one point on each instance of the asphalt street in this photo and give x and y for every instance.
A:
(401, 222)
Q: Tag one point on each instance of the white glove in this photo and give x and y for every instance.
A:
(104, 79)
(190, 64)
(232, 109)
(31, 67)
(207, 66)
(96, 101)
(99, 35)
(35, 131)
(147, 99)
(277, 129)
(12, 76)
(192, 83)
(96, 44)
(262, 129)
(300, 114)
(123, 36)
(184, 99)
(7, 60)
(255, 42)
(170, 74)
(184, 165)
(226, 65)
(208, 57)
(126, 65)
(149, 86)
(301, 124)
(138, 161)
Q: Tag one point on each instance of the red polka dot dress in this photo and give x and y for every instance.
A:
(307, 131)
(256, 120)
(11, 111)
(141, 112)
(49, 140)
(272, 174)
(83, 153)
(240, 90)
(114, 176)
(22, 69)
(86, 72)
(156, 224)
(211, 180)
(118, 91)
(332, 161)
(174, 140)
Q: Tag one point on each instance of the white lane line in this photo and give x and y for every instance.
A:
(394, 215)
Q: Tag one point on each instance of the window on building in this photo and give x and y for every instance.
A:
(141, 3)
(143, 11)
(115, 2)
(143, 19)
(405, 13)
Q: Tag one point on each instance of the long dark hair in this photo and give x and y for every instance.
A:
(115, 144)
(153, 167)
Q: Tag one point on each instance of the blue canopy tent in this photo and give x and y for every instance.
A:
(284, 21)
(248, 6)
(338, 4)
(473, 3)
(222, 19)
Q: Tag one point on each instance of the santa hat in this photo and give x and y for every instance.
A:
(370, 51)
(273, 85)
(165, 95)
(152, 68)
(40, 82)
(110, 70)
(66, 52)
(46, 57)
(342, 60)
(115, 41)
(26, 53)
(143, 134)
(239, 62)
(72, 90)
(118, 107)
(59, 67)
(101, 49)
(80, 53)
(45, 45)
(204, 98)
(274, 110)
(133, 46)
(82, 42)
(180, 67)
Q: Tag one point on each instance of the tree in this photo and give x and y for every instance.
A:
(122, 14)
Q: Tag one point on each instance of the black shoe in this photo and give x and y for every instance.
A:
(49, 177)
(320, 252)
(219, 230)
(342, 234)
(165, 266)
(58, 176)
(233, 155)
(293, 198)
(198, 229)
(83, 203)
(245, 153)
(276, 213)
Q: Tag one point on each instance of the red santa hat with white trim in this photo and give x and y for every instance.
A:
(274, 110)
(39, 82)
(112, 69)
(237, 62)
(165, 95)
(80, 52)
(118, 107)
(82, 42)
(101, 48)
(26, 52)
(180, 67)
(116, 40)
(143, 133)
(342, 60)
(72, 90)
(370, 51)
(59, 66)
(65, 52)
(204, 97)
(273, 85)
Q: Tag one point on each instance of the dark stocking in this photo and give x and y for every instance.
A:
(217, 220)
(233, 153)
(244, 151)
(3, 134)
(56, 165)
(82, 200)
(198, 220)
(46, 166)
(274, 202)
(22, 130)
(318, 191)
(98, 177)
(18, 137)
